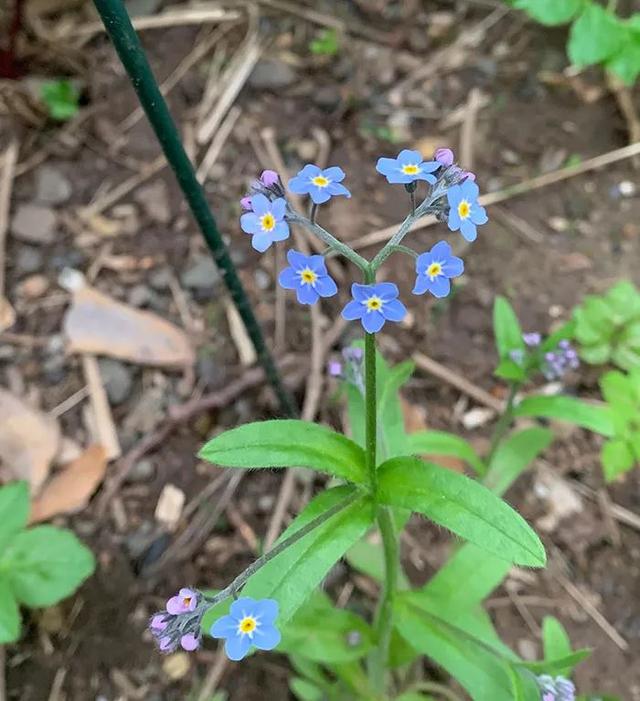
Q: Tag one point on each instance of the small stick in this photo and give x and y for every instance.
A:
(519, 225)
(70, 402)
(105, 428)
(177, 18)
(629, 518)
(443, 373)
(507, 193)
(23, 339)
(213, 677)
(524, 612)
(9, 162)
(593, 612)
(217, 143)
(468, 131)
(56, 687)
(605, 507)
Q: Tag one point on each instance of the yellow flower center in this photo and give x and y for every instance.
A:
(464, 209)
(308, 276)
(248, 624)
(434, 270)
(374, 303)
(410, 169)
(186, 601)
(267, 222)
(320, 181)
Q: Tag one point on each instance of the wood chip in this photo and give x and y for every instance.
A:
(71, 489)
(169, 506)
(245, 348)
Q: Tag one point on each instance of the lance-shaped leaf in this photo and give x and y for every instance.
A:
(443, 443)
(288, 443)
(461, 505)
(594, 417)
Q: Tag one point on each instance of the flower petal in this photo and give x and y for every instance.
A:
(326, 286)
(468, 230)
(407, 156)
(306, 294)
(250, 223)
(280, 231)
(454, 195)
(394, 310)
(317, 264)
(479, 214)
(440, 287)
(423, 261)
(260, 204)
(429, 166)
(361, 293)
(175, 605)
(373, 321)
(289, 279)
(278, 207)
(296, 259)
(453, 267)
(386, 290)
(319, 195)
(224, 627)
(261, 242)
(310, 171)
(385, 166)
(353, 310)
(299, 185)
(470, 189)
(266, 610)
(335, 189)
(441, 250)
(424, 176)
(334, 173)
(454, 221)
(242, 607)
(266, 637)
(237, 646)
(421, 286)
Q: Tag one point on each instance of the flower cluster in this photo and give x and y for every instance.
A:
(452, 196)
(178, 626)
(558, 689)
(553, 364)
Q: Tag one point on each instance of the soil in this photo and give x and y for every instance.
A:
(537, 117)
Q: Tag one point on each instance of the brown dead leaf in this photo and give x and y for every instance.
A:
(71, 488)
(29, 441)
(415, 419)
(99, 325)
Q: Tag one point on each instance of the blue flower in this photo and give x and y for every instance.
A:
(320, 185)
(308, 276)
(407, 168)
(434, 270)
(465, 211)
(374, 305)
(265, 222)
(249, 622)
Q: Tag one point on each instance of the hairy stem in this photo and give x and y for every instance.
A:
(240, 580)
(503, 422)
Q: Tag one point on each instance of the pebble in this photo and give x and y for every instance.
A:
(262, 278)
(33, 223)
(306, 149)
(32, 287)
(202, 275)
(117, 378)
(142, 471)
(176, 666)
(29, 260)
(154, 200)
(54, 369)
(160, 279)
(140, 296)
(327, 97)
(51, 186)
(272, 74)
(208, 371)
(559, 224)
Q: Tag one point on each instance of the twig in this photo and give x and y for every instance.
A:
(104, 428)
(524, 612)
(627, 107)
(235, 77)
(70, 402)
(9, 162)
(177, 416)
(213, 677)
(56, 687)
(593, 612)
(605, 508)
(176, 18)
(24, 340)
(217, 143)
(519, 225)
(444, 373)
(507, 193)
(629, 518)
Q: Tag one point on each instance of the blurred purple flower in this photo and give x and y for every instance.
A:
(185, 601)
(269, 178)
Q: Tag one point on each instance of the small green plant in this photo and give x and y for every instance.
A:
(622, 451)
(607, 327)
(597, 34)
(61, 99)
(38, 566)
(326, 43)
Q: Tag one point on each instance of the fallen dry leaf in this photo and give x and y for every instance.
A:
(169, 506)
(29, 441)
(7, 314)
(99, 325)
(70, 489)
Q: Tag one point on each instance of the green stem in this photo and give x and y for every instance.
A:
(503, 422)
(384, 615)
(126, 42)
(240, 580)
(370, 405)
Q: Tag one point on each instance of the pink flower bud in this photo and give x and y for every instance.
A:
(245, 203)
(444, 156)
(269, 178)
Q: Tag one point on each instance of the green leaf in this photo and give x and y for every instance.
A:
(46, 564)
(506, 328)
(61, 98)
(555, 639)
(481, 572)
(287, 443)
(508, 369)
(391, 418)
(414, 696)
(14, 510)
(557, 666)
(291, 576)
(626, 63)
(524, 686)
(617, 458)
(550, 12)
(597, 354)
(9, 613)
(326, 43)
(461, 505)
(626, 357)
(595, 36)
(322, 633)
(513, 456)
(595, 417)
(480, 672)
(368, 558)
(305, 690)
(442, 443)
